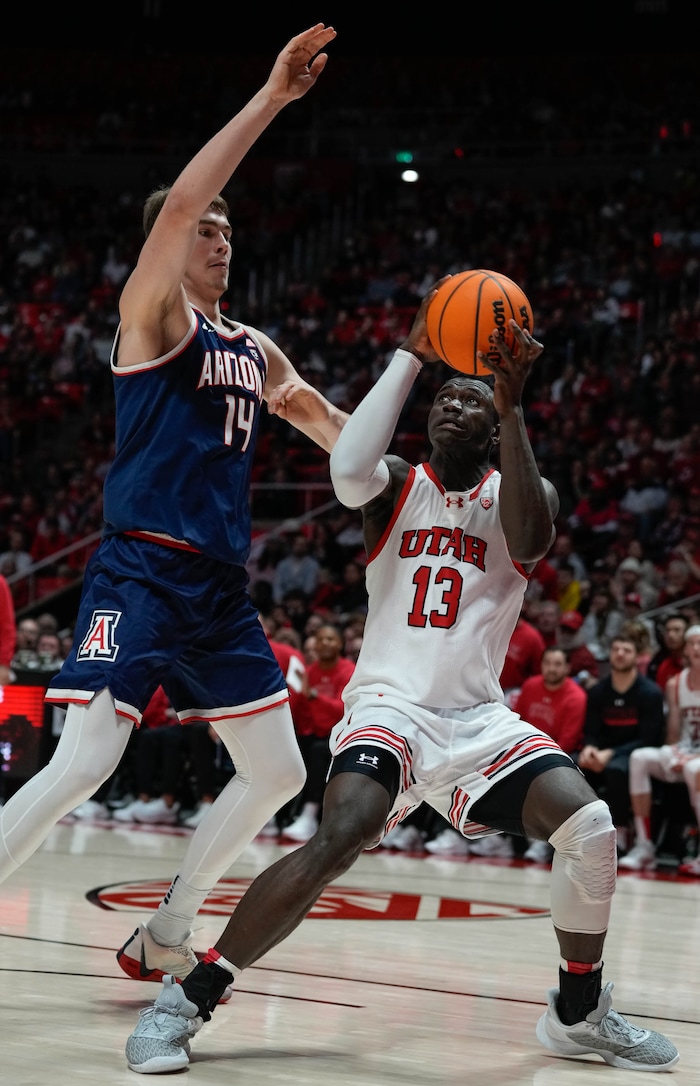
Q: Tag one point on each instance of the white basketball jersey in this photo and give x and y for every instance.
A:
(444, 596)
(689, 706)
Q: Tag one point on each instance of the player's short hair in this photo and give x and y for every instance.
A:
(154, 204)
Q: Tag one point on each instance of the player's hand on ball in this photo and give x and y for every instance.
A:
(418, 341)
(511, 369)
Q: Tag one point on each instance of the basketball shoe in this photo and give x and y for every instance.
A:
(640, 858)
(161, 1040)
(607, 1034)
(142, 958)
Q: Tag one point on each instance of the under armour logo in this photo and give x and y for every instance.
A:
(368, 759)
(458, 501)
(99, 642)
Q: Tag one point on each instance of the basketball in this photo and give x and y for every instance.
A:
(464, 313)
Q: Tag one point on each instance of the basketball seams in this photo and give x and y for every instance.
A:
(455, 337)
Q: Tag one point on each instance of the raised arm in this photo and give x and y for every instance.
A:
(359, 470)
(529, 503)
(154, 297)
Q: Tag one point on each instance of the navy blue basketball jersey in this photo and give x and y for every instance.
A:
(185, 439)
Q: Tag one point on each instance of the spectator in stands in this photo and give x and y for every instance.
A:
(629, 578)
(298, 571)
(678, 583)
(583, 665)
(17, 549)
(638, 630)
(327, 677)
(554, 702)
(678, 760)
(26, 637)
(669, 659)
(601, 623)
(568, 588)
(624, 711)
(351, 597)
(8, 632)
(523, 658)
(545, 617)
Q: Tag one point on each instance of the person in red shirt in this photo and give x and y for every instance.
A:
(554, 702)
(327, 677)
(523, 657)
(8, 631)
(670, 660)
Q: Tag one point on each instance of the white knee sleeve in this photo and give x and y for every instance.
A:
(584, 870)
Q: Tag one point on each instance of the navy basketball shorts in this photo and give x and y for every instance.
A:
(154, 615)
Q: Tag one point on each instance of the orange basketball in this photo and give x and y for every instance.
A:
(465, 311)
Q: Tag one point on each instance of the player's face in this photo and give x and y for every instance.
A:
(462, 411)
(209, 263)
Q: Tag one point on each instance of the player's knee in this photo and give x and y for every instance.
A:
(586, 844)
(347, 829)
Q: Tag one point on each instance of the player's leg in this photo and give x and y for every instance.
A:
(91, 744)
(355, 810)
(269, 772)
(645, 763)
(579, 1018)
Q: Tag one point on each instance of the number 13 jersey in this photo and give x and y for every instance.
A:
(444, 595)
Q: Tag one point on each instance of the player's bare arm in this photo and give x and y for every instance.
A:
(154, 305)
(529, 503)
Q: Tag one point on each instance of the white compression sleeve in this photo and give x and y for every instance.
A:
(358, 472)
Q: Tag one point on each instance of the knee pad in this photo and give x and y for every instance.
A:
(584, 870)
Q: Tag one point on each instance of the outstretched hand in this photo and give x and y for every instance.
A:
(300, 63)
(511, 370)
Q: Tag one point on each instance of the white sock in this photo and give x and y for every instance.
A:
(171, 924)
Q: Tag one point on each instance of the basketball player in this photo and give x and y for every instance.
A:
(449, 544)
(165, 598)
(677, 761)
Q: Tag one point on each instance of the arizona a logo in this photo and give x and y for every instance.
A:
(99, 642)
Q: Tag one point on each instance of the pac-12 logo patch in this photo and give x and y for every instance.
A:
(486, 503)
(100, 642)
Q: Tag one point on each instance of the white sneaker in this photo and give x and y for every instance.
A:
(448, 843)
(607, 1034)
(193, 821)
(303, 828)
(495, 845)
(124, 814)
(142, 958)
(270, 829)
(90, 810)
(160, 1042)
(154, 812)
(640, 858)
(404, 839)
(539, 852)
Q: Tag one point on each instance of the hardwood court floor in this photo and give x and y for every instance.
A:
(412, 970)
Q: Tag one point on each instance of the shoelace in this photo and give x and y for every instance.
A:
(617, 1028)
(162, 1019)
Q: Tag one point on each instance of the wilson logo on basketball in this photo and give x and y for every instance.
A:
(335, 903)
